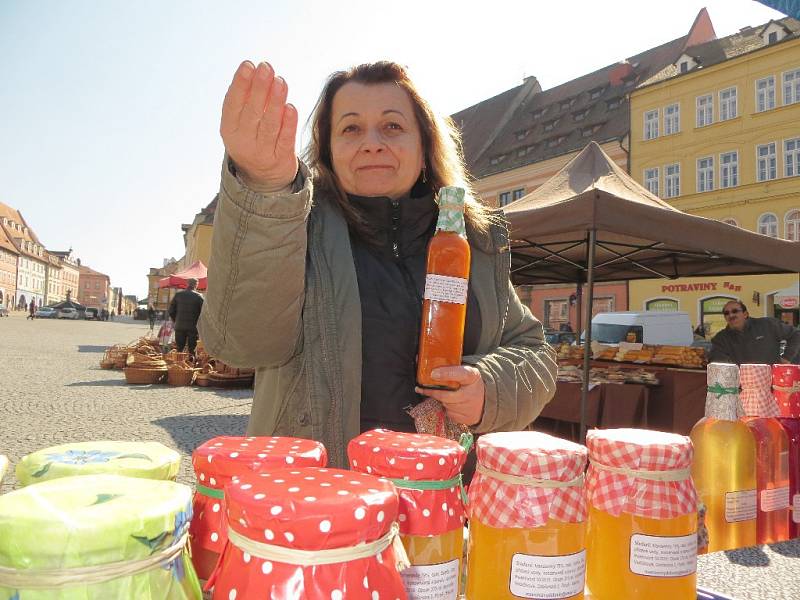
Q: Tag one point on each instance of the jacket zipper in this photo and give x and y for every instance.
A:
(395, 241)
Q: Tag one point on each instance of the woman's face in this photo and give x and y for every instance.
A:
(376, 146)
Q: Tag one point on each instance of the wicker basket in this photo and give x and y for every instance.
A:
(137, 375)
(181, 374)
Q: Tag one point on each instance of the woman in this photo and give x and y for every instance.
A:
(317, 271)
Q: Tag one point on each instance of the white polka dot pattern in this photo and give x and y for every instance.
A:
(223, 460)
(315, 517)
(415, 457)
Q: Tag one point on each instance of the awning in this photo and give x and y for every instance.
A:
(197, 270)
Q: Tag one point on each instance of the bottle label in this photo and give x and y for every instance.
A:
(657, 556)
(796, 509)
(775, 499)
(740, 506)
(547, 577)
(432, 582)
(442, 288)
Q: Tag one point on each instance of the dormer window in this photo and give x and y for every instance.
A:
(537, 114)
(521, 152)
(522, 134)
(550, 125)
(567, 104)
(580, 115)
(613, 103)
(596, 92)
(497, 159)
(685, 63)
(772, 33)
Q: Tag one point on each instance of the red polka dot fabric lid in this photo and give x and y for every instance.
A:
(309, 509)
(415, 457)
(786, 387)
(640, 472)
(520, 500)
(221, 459)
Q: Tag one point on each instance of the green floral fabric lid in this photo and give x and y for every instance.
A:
(146, 460)
(451, 210)
(50, 529)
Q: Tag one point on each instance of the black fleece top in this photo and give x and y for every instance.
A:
(391, 282)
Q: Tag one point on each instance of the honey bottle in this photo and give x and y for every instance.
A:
(724, 466)
(444, 306)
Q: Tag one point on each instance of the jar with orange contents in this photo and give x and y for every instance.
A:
(221, 460)
(642, 534)
(527, 518)
(426, 469)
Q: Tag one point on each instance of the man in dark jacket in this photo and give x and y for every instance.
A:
(184, 310)
(749, 340)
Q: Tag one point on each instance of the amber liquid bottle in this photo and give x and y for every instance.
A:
(444, 307)
(772, 479)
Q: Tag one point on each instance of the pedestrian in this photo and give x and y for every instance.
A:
(31, 310)
(322, 290)
(151, 316)
(748, 340)
(184, 310)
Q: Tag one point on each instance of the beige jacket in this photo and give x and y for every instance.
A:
(283, 298)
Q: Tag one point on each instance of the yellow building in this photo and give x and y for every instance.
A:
(717, 134)
(197, 235)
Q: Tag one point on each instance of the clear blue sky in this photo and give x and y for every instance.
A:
(110, 109)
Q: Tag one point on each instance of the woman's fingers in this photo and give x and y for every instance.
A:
(288, 132)
(236, 97)
(253, 109)
(271, 119)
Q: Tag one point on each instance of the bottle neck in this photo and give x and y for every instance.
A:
(451, 220)
(725, 407)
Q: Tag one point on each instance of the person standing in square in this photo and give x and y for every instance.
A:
(184, 310)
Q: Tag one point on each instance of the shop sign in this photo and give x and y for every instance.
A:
(664, 305)
(789, 303)
(703, 286)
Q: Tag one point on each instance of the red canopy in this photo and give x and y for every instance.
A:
(197, 270)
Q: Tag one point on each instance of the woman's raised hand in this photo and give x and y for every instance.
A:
(258, 127)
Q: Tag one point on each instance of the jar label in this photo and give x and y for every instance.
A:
(659, 556)
(442, 288)
(432, 582)
(547, 577)
(796, 508)
(775, 499)
(740, 506)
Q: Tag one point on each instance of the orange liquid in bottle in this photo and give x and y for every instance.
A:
(436, 550)
(724, 473)
(772, 478)
(442, 333)
(492, 552)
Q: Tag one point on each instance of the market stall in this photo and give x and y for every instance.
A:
(197, 270)
(592, 222)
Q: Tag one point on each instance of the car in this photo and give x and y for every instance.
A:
(3, 310)
(68, 313)
(90, 314)
(556, 338)
(46, 312)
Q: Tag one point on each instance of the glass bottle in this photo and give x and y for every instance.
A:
(444, 307)
(527, 525)
(638, 547)
(792, 429)
(724, 467)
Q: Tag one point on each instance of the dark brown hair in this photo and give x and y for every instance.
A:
(441, 142)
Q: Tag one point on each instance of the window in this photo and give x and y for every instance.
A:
(521, 151)
(550, 125)
(791, 87)
(684, 66)
(705, 110)
(727, 104)
(651, 124)
(729, 169)
(672, 119)
(505, 198)
(765, 94)
(651, 180)
(580, 115)
(522, 134)
(517, 194)
(672, 180)
(791, 157)
(772, 37)
(537, 114)
(705, 174)
(613, 103)
(768, 225)
(497, 159)
(767, 162)
(596, 92)
(792, 225)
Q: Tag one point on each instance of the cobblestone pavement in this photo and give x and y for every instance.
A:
(53, 391)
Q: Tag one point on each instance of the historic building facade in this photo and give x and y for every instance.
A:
(717, 134)
(94, 288)
(32, 259)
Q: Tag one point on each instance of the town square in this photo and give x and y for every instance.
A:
(424, 301)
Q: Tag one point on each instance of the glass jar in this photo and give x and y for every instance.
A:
(642, 533)
(786, 387)
(222, 459)
(111, 536)
(527, 518)
(426, 469)
(310, 533)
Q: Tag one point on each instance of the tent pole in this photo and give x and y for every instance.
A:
(587, 350)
